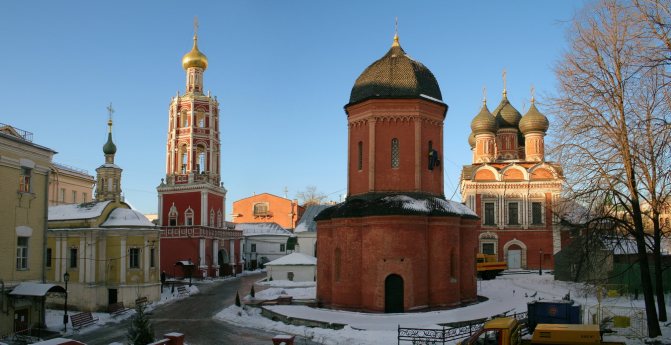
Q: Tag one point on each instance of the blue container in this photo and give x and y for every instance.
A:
(556, 312)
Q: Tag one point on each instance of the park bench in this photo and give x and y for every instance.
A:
(141, 301)
(117, 309)
(182, 291)
(82, 319)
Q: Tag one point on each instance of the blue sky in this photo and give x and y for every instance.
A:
(282, 71)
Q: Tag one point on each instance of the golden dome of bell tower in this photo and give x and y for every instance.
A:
(194, 63)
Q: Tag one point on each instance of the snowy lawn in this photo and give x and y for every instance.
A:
(506, 294)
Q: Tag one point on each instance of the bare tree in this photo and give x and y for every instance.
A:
(311, 196)
(598, 111)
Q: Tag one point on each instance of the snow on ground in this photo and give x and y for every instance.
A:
(506, 294)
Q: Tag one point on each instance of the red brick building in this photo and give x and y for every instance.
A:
(195, 238)
(511, 186)
(268, 208)
(396, 244)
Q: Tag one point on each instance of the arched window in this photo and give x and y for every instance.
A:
(260, 209)
(188, 217)
(360, 156)
(211, 217)
(185, 119)
(220, 219)
(201, 159)
(172, 215)
(183, 159)
(395, 155)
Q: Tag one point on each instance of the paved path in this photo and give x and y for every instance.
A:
(193, 316)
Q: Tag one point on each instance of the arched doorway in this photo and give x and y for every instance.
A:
(514, 257)
(393, 294)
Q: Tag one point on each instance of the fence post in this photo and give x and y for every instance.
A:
(398, 335)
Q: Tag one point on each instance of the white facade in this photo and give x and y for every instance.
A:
(294, 267)
(263, 242)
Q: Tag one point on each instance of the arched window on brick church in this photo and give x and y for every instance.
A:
(185, 119)
(172, 215)
(188, 216)
(201, 165)
(183, 159)
(220, 219)
(211, 217)
(359, 162)
(395, 155)
(337, 264)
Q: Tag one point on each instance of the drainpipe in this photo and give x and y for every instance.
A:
(46, 227)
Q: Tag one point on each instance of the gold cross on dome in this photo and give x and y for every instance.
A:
(533, 93)
(504, 79)
(484, 93)
(195, 25)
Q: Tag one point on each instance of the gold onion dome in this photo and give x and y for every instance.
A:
(471, 140)
(395, 75)
(506, 115)
(194, 58)
(534, 121)
(484, 122)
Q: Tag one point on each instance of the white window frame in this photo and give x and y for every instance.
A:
(22, 253)
(484, 211)
(24, 180)
(188, 217)
(134, 258)
(519, 212)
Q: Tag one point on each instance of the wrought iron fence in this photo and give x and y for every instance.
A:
(435, 336)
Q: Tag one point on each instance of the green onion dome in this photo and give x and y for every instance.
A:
(484, 122)
(109, 148)
(506, 115)
(534, 121)
(471, 140)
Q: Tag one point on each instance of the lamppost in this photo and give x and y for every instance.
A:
(66, 278)
(540, 262)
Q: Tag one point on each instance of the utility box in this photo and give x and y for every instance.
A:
(553, 312)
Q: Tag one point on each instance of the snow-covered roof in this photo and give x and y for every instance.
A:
(121, 217)
(109, 165)
(426, 205)
(258, 229)
(77, 211)
(35, 289)
(294, 259)
(307, 222)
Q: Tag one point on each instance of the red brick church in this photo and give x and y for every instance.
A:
(395, 244)
(195, 238)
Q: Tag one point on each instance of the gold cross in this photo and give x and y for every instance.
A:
(396, 27)
(484, 93)
(110, 110)
(533, 93)
(504, 79)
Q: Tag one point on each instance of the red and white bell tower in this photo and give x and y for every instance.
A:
(192, 197)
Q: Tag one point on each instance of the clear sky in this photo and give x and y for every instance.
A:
(282, 71)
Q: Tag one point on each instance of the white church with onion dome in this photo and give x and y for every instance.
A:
(105, 251)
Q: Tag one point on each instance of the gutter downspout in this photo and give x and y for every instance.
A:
(46, 227)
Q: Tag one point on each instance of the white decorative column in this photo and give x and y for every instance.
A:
(215, 256)
(231, 255)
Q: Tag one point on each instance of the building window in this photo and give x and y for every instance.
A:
(47, 258)
(536, 213)
(359, 162)
(152, 257)
(489, 214)
(282, 247)
(74, 196)
(188, 217)
(22, 253)
(134, 258)
(24, 180)
(84, 197)
(260, 209)
(488, 248)
(172, 216)
(253, 247)
(220, 219)
(211, 218)
(513, 213)
(395, 155)
(290, 276)
(61, 195)
(73, 257)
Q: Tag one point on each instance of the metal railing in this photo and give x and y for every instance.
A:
(27, 136)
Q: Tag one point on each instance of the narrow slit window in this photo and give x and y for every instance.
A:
(395, 155)
(360, 156)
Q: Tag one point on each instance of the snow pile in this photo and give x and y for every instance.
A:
(430, 204)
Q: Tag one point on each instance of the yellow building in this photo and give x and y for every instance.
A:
(109, 251)
(24, 175)
(69, 185)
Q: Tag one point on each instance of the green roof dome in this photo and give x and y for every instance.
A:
(534, 121)
(109, 148)
(471, 140)
(506, 115)
(395, 75)
(484, 122)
